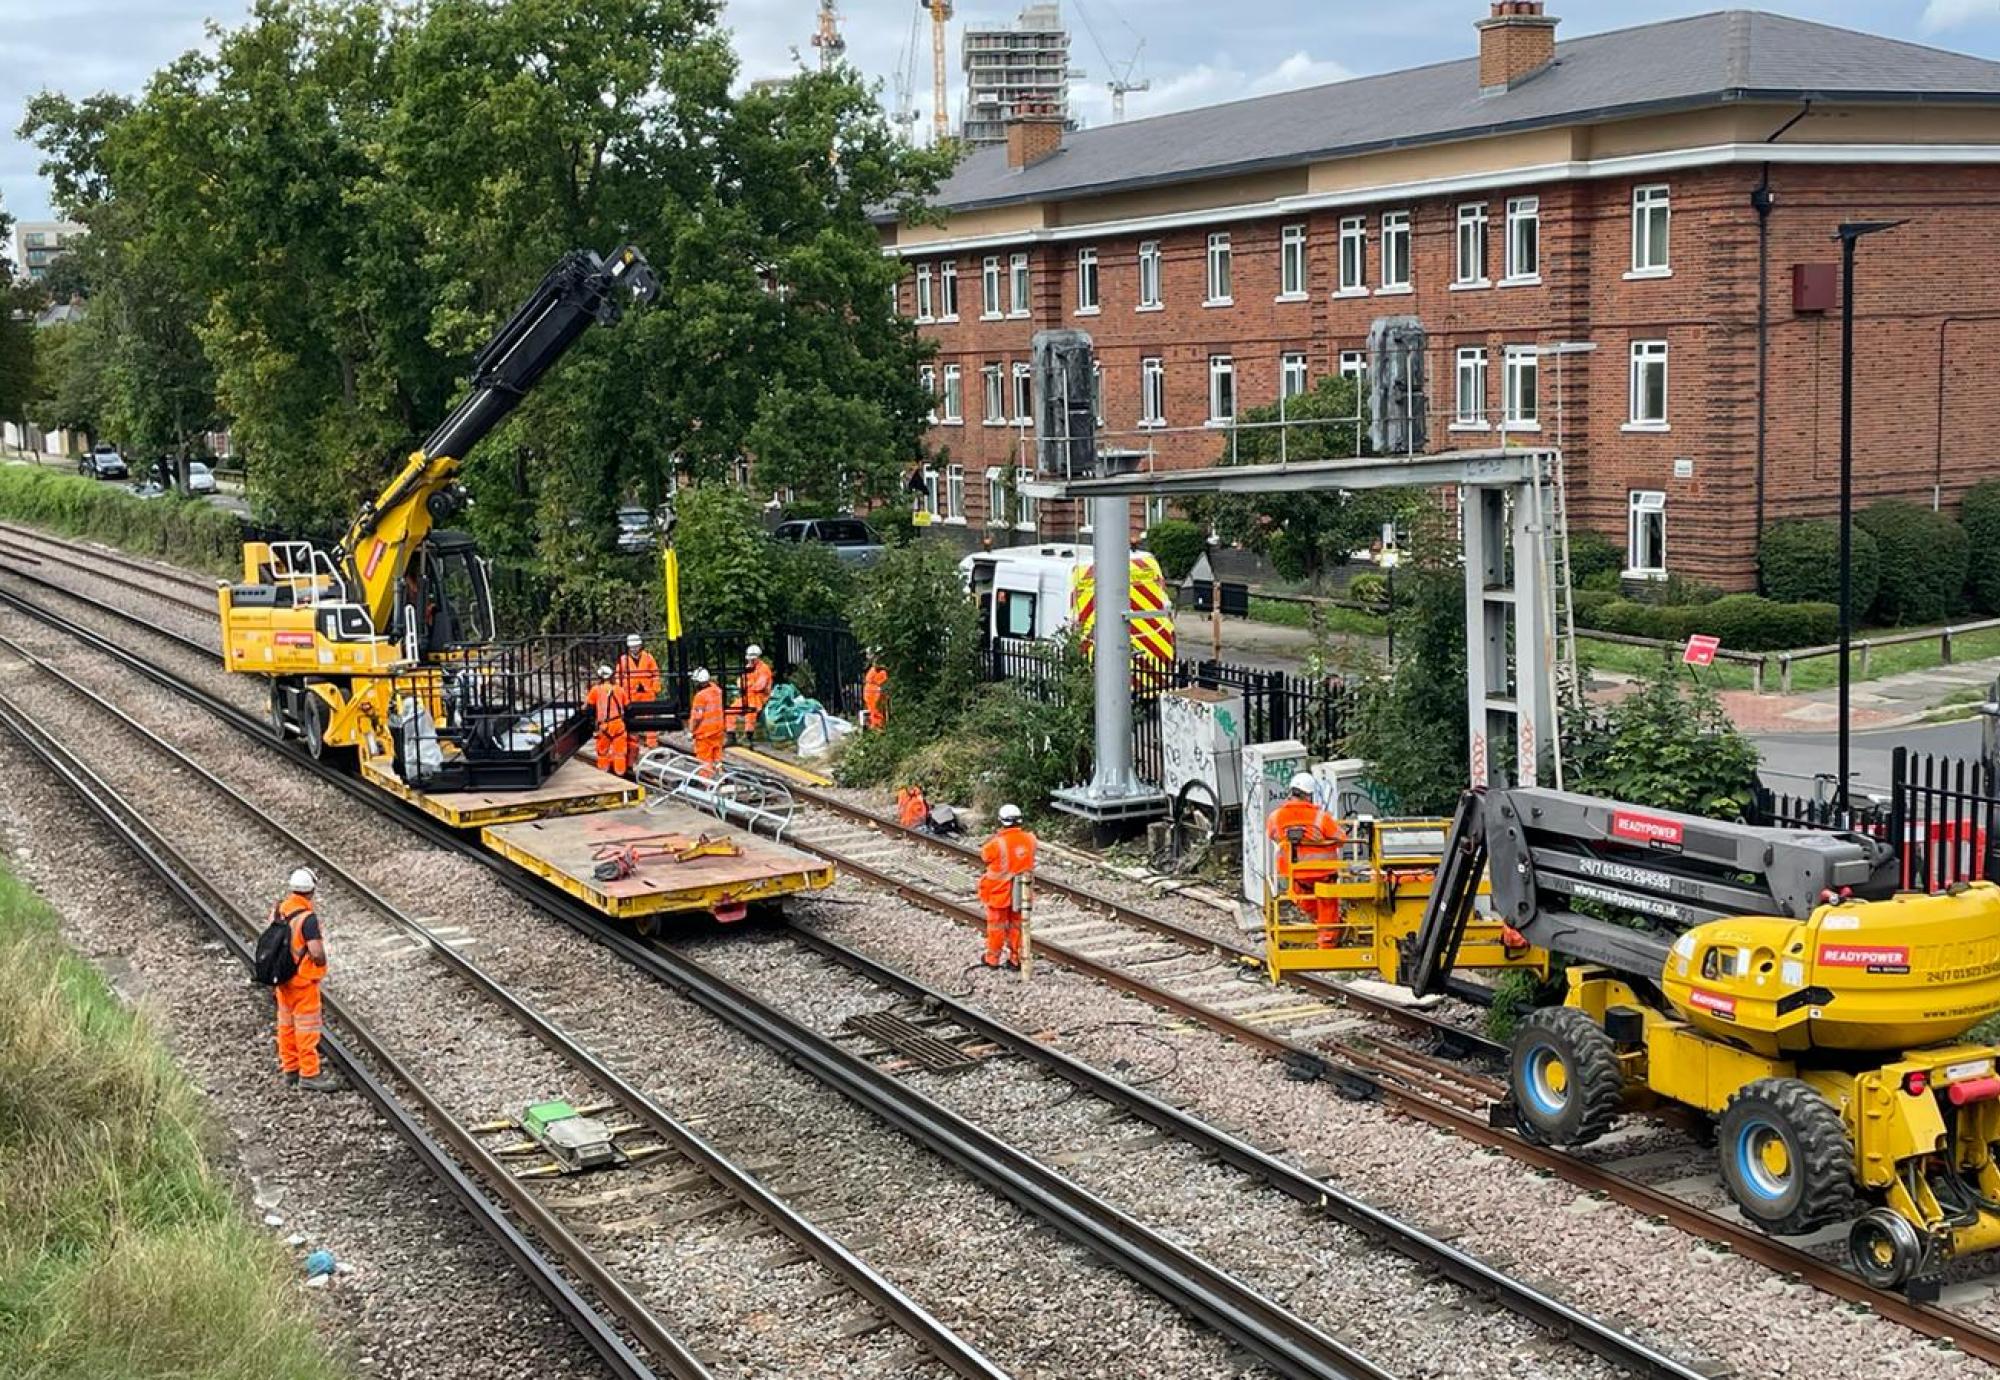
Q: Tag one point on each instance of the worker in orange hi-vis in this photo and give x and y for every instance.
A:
(298, 996)
(1302, 829)
(875, 698)
(607, 706)
(754, 692)
(1010, 870)
(913, 811)
(639, 679)
(705, 723)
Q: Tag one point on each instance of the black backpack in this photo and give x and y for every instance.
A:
(275, 964)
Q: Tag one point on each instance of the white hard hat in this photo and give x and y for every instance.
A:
(1303, 784)
(700, 676)
(604, 673)
(752, 652)
(633, 639)
(303, 881)
(1010, 814)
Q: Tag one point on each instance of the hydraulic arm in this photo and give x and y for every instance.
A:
(580, 290)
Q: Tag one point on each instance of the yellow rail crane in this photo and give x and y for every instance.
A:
(1777, 980)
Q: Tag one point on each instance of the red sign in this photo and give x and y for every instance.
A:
(374, 559)
(294, 639)
(1875, 958)
(1654, 833)
(1701, 650)
(1713, 1002)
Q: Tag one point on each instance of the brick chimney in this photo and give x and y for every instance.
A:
(1517, 42)
(1034, 132)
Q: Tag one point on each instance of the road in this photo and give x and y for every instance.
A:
(1793, 761)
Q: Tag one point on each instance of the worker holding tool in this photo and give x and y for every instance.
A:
(639, 677)
(607, 705)
(1301, 829)
(298, 995)
(875, 697)
(1004, 888)
(705, 722)
(753, 693)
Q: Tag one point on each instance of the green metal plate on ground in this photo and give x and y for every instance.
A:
(537, 1119)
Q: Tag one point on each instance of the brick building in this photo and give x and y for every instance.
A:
(1631, 190)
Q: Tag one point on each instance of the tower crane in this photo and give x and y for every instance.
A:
(832, 47)
(940, 16)
(904, 116)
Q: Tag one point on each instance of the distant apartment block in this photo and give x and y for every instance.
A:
(1019, 68)
(37, 243)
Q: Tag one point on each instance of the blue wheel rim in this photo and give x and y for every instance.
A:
(1542, 1096)
(1756, 1176)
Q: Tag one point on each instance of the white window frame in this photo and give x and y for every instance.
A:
(930, 498)
(1353, 257)
(1645, 201)
(1097, 391)
(1087, 303)
(1524, 214)
(1293, 378)
(1156, 511)
(989, 289)
(1519, 362)
(954, 490)
(1221, 271)
(1398, 243)
(1151, 289)
(1152, 391)
(1469, 382)
(994, 390)
(1221, 368)
(953, 412)
(1292, 264)
(948, 290)
(1645, 507)
(1027, 509)
(996, 495)
(1354, 365)
(927, 376)
(1469, 248)
(1023, 395)
(1646, 355)
(1019, 287)
(924, 293)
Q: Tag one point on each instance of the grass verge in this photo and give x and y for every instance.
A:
(122, 1252)
(187, 531)
(1817, 674)
(1333, 617)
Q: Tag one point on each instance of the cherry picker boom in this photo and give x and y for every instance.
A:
(1775, 979)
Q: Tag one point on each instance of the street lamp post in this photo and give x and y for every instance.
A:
(1849, 234)
(1391, 557)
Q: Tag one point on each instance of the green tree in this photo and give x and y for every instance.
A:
(1669, 744)
(912, 611)
(729, 578)
(67, 391)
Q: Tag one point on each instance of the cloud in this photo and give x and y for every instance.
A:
(1950, 14)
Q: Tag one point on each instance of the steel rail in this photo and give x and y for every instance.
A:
(953, 1351)
(16, 533)
(209, 905)
(1975, 1339)
(1449, 1035)
(1466, 1270)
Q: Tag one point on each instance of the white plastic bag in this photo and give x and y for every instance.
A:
(820, 732)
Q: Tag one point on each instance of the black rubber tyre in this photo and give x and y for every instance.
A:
(312, 725)
(1565, 1077)
(1785, 1157)
(279, 722)
(1886, 1249)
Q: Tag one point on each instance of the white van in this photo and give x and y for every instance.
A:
(1028, 593)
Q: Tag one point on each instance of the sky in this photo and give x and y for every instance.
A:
(1194, 52)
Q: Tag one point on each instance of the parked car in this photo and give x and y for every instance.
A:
(102, 461)
(637, 532)
(201, 479)
(850, 537)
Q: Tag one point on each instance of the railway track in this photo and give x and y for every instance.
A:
(1285, 1343)
(669, 1162)
(1302, 1038)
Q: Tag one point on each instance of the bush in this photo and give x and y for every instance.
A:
(912, 609)
(1369, 588)
(1589, 602)
(1748, 623)
(1667, 745)
(1924, 560)
(1799, 562)
(1178, 544)
(1291, 556)
(188, 532)
(1594, 557)
(1981, 514)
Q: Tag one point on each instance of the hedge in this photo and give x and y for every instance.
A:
(1744, 622)
(1981, 514)
(1924, 559)
(1800, 561)
(1592, 558)
(1177, 544)
(187, 532)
